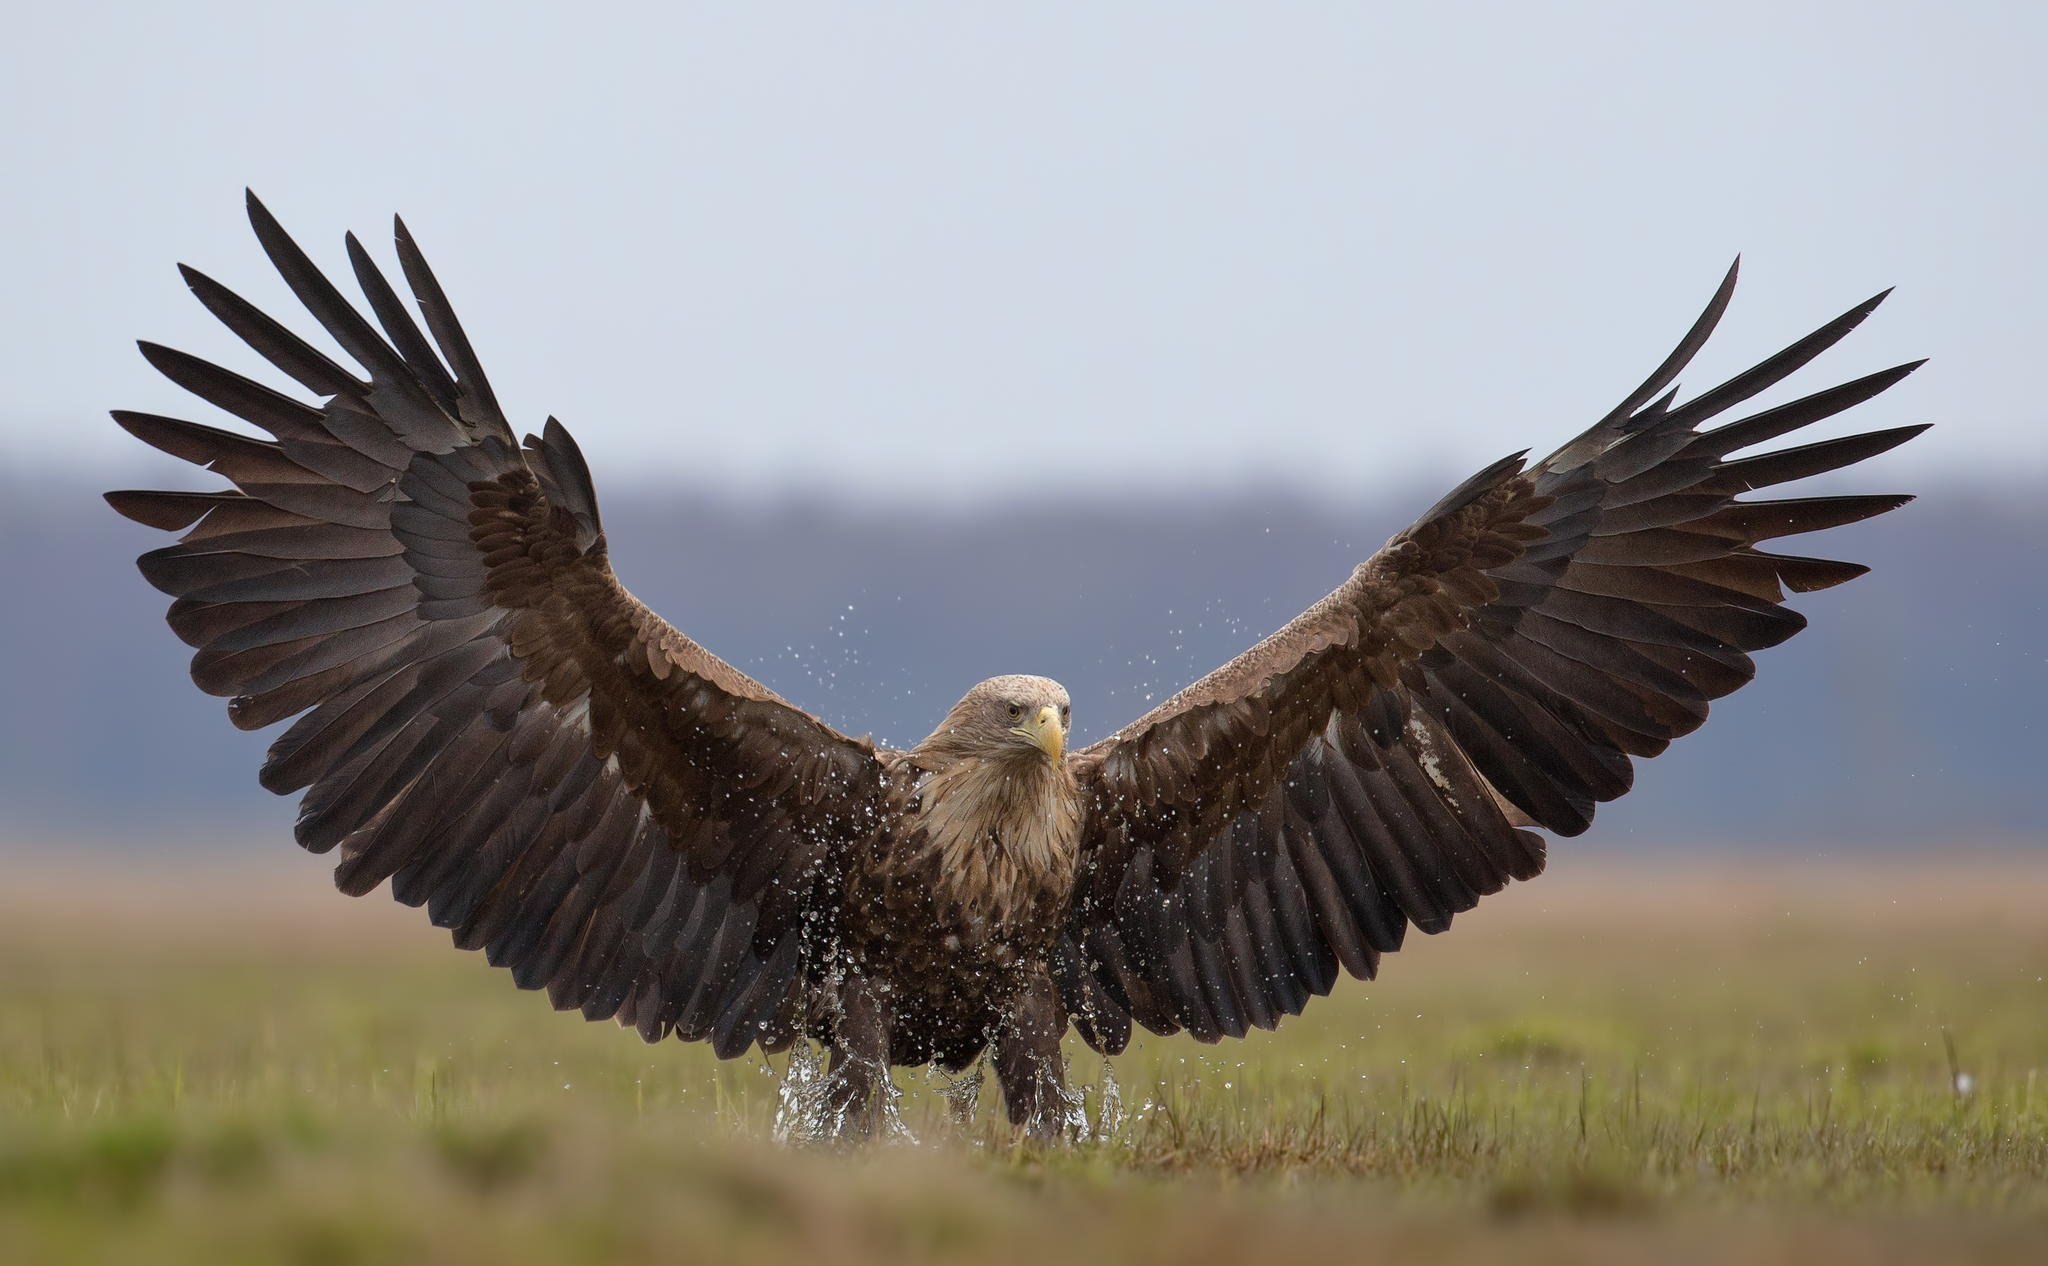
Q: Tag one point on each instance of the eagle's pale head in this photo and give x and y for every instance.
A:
(1007, 716)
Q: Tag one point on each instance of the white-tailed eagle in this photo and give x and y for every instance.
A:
(482, 716)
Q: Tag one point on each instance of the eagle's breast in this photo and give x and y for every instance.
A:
(973, 874)
(998, 841)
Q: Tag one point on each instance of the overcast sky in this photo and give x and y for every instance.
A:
(880, 249)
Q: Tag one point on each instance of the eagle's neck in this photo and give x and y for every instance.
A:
(999, 836)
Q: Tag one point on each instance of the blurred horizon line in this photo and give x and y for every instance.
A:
(32, 475)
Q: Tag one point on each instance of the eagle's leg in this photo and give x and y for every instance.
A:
(856, 1080)
(1029, 1066)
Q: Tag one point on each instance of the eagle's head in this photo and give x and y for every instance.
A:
(1007, 716)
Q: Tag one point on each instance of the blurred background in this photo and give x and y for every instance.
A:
(1170, 314)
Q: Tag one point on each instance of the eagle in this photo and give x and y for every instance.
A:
(484, 718)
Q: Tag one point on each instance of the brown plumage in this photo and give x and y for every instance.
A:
(488, 721)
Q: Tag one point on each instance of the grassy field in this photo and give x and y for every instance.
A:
(1763, 1061)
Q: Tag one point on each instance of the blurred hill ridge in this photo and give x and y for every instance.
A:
(1909, 714)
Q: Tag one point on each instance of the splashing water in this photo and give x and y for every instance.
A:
(1109, 1113)
(962, 1091)
(1074, 1111)
(800, 1112)
(803, 1112)
(894, 1128)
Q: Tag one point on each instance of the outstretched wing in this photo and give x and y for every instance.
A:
(485, 717)
(1495, 667)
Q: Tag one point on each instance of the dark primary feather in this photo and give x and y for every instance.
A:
(485, 718)
(1496, 667)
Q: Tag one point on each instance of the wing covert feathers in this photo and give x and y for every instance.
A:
(1497, 667)
(484, 717)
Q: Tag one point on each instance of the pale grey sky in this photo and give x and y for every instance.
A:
(871, 248)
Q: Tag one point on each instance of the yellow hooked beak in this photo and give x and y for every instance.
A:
(1045, 733)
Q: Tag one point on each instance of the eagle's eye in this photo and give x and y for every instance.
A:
(1066, 713)
(1016, 710)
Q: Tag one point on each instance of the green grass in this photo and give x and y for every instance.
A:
(1612, 1062)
